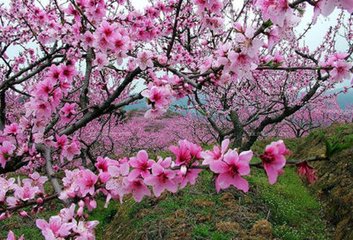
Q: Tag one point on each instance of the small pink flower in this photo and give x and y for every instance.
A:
(11, 236)
(144, 60)
(68, 214)
(159, 97)
(188, 175)
(141, 164)
(102, 164)
(38, 180)
(120, 43)
(101, 60)
(305, 170)
(186, 153)
(116, 184)
(26, 192)
(12, 129)
(156, 95)
(54, 74)
(44, 89)
(341, 70)
(277, 11)
(61, 141)
(231, 170)
(102, 43)
(43, 108)
(85, 230)
(67, 72)
(56, 228)
(88, 39)
(274, 160)
(216, 154)
(162, 178)
(107, 30)
(6, 150)
(137, 188)
(67, 112)
(86, 182)
(71, 150)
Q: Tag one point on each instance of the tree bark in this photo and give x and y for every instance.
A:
(238, 131)
(2, 110)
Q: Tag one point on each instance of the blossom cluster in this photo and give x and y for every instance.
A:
(211, 14)
(138, 176)
(15, 192)
(69, 223)
(80, 63)
(117, 178)
(341, 69)
(159, 97)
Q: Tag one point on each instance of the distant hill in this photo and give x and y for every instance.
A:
(343, 101)
(142, 104)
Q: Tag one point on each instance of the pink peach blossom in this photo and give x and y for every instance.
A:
(231, 170)
(6, 150)
(141, 165)
(274, 160)
(162, 178)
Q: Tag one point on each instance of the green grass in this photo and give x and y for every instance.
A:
(104, 216)
(294, 212)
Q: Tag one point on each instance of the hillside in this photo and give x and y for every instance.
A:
(335, 177)
(198, 212)
(289, 210)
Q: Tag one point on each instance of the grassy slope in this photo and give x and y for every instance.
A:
(199, 213)
(335, 182)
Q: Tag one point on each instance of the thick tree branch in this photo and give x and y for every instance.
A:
(46, 152)
(102, 109)
(175, 29)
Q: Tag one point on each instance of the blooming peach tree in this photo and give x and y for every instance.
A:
(70, 68)
(311, 116)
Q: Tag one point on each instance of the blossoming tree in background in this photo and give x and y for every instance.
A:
(310, 117)
(79, 63)
(259, 92)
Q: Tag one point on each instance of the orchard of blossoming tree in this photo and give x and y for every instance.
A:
(69, 68)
